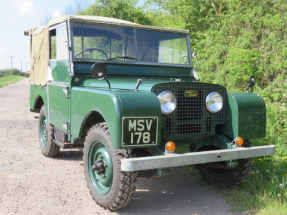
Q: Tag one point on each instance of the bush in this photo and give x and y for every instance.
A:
(7, 72)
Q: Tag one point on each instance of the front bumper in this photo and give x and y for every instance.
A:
(172, 160)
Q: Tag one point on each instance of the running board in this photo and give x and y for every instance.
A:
(68, 145)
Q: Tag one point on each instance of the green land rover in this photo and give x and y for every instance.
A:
(128, 95)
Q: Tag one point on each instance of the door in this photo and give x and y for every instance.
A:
(59, 77)
(58, 105)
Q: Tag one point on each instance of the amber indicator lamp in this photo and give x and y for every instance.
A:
(239, 141)
(170, 146)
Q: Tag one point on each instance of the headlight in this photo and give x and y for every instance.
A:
(214, 102)
(167, 102)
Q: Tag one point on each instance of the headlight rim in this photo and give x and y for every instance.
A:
(206, 103)
(159, 95)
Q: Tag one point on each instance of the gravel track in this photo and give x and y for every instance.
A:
(33, 184)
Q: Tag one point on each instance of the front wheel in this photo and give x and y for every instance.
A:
(110, 187)
(227, 177)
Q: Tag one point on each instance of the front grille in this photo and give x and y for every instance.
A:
(190, 118)
(189, 108)
(189, 128)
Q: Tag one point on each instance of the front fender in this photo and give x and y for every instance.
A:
(245, 116)
(113, 105)
(141, 104)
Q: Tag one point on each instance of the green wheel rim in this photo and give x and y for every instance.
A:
(43, 131)
(101, 182)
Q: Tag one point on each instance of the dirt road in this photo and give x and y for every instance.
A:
(33, 184)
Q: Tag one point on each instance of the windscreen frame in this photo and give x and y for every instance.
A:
(189, 64)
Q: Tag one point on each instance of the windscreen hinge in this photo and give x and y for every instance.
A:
(138, 84)
(66, 91)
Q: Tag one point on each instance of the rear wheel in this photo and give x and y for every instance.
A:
(110, 187)
(48, 148)
(227, 177)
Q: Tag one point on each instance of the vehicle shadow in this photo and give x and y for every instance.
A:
(175, 194)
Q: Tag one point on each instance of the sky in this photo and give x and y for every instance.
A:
(17, 16)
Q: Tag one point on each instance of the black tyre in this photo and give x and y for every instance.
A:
(46, 135)
(227, 177)
(110, 187)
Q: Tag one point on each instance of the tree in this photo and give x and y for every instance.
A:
(121, 9)
(77, 6)
(71, 9)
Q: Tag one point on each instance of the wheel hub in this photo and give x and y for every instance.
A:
(43, 131)
(99, 166)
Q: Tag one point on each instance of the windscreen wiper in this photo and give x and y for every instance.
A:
(124, 57)
(112, 58)
(127, 57)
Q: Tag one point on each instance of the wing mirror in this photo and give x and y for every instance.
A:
(251, 82)
(193, 55)
(99, 70)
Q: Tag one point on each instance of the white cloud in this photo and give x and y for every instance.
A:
(2, 51)
(9, 18)
(24, 6)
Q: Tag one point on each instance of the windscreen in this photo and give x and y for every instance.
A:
(108, 43)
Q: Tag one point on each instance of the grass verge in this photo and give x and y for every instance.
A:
(265, 190)
(10, 80)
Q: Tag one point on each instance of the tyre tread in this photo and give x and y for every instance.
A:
(242, 171)
(52, 149)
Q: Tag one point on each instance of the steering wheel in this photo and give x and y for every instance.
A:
(91, 50)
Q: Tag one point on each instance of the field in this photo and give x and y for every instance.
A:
(10, 80)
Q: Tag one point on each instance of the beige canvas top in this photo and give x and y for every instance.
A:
(39, 41)
(104, 20)
(110, 21)
(39, 55)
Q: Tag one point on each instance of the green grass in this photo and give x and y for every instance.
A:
(265, 190)
(10, 80)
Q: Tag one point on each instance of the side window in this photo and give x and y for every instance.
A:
(53, 44)
(59, 43)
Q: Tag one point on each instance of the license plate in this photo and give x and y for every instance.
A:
(139, 131)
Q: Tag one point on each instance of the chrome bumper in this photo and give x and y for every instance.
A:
(172, 160)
